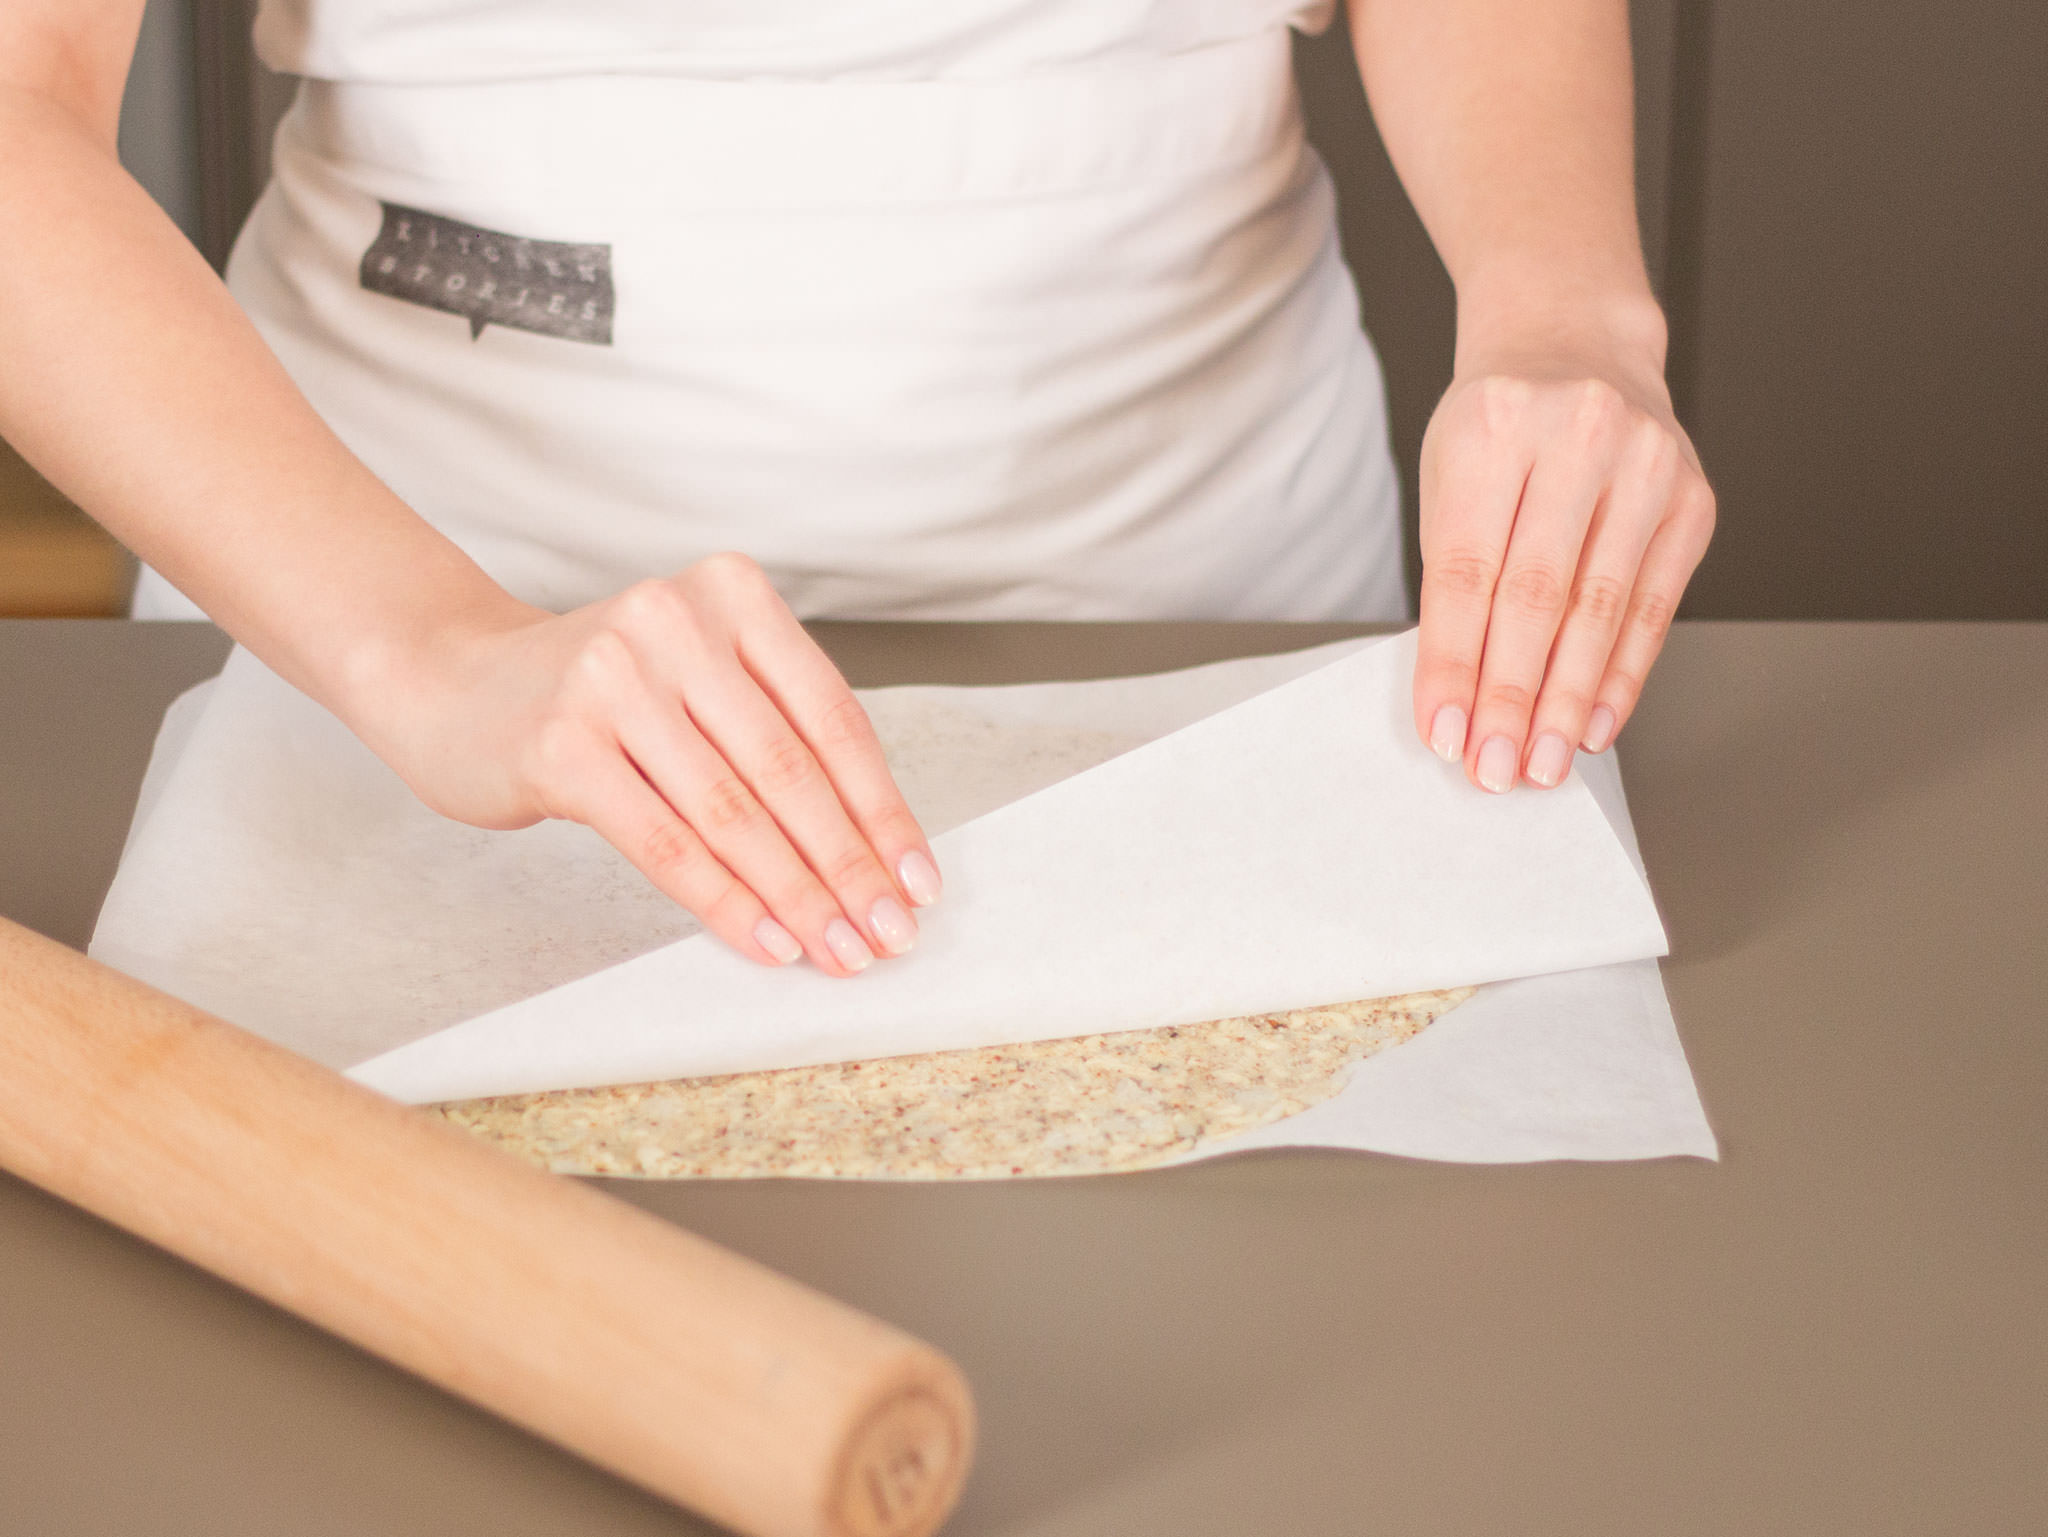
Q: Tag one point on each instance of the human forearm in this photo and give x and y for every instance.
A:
(138, 387)
(1510, 123)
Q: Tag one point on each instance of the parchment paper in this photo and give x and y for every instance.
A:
(279, 875)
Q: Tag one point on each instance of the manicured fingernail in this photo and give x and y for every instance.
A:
(1447, 733)
(1599, 729)
(1497, 765)
(892, 925)
(920, 878)
(777, 941)
(1550, 759)
(845, 943)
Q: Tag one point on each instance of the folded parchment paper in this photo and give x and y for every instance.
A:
(1299, 850)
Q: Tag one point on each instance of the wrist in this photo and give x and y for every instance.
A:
(416, 648)
(1551, 318)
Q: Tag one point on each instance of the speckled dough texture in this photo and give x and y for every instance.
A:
(1091, 1104)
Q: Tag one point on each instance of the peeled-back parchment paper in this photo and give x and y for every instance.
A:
(277, 874)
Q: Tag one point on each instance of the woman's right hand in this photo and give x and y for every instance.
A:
(695, 726)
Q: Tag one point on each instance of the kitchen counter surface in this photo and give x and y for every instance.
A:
(1840, 1328)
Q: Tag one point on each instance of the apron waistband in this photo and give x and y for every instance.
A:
(623, 144)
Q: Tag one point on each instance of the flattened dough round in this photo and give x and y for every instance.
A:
(1085, 1105)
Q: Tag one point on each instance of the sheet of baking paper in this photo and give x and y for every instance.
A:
(279, 875)
(1581, 1064)
(1299, 847)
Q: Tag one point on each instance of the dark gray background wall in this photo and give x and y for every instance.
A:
(1864, 299)
(1845, 209)
(160, 113)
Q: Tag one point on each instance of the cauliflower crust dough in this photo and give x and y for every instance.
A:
(1090, 1104)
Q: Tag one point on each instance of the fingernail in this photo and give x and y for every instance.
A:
(1447, 733)
(1550, 760)
(845, 943)
(1599, 729)
(777, 941)
(1497, 765)
(892, 925)
(920, 878)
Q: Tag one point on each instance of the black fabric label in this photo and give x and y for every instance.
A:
(492, 279)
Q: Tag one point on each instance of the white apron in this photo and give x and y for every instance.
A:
(981, 309)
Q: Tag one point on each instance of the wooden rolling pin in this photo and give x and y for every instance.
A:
(701, 1375)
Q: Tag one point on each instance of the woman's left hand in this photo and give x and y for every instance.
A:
(1563, 512)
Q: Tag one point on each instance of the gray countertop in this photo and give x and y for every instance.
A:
(1841, 1328)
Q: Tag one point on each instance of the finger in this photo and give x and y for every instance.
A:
(1673, 555)
(1535, 581)
(687, 647)
(800, 680)
(715, 799)
(1628, 515)
(652, 727)
(612, 798)
(744, 725)
(1479, 485)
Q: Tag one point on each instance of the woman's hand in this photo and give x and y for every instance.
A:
(694, 725)
(1563, 511)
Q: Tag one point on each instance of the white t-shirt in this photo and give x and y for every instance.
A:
(416, 42)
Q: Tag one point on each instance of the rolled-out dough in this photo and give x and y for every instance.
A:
(1085, 1105)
